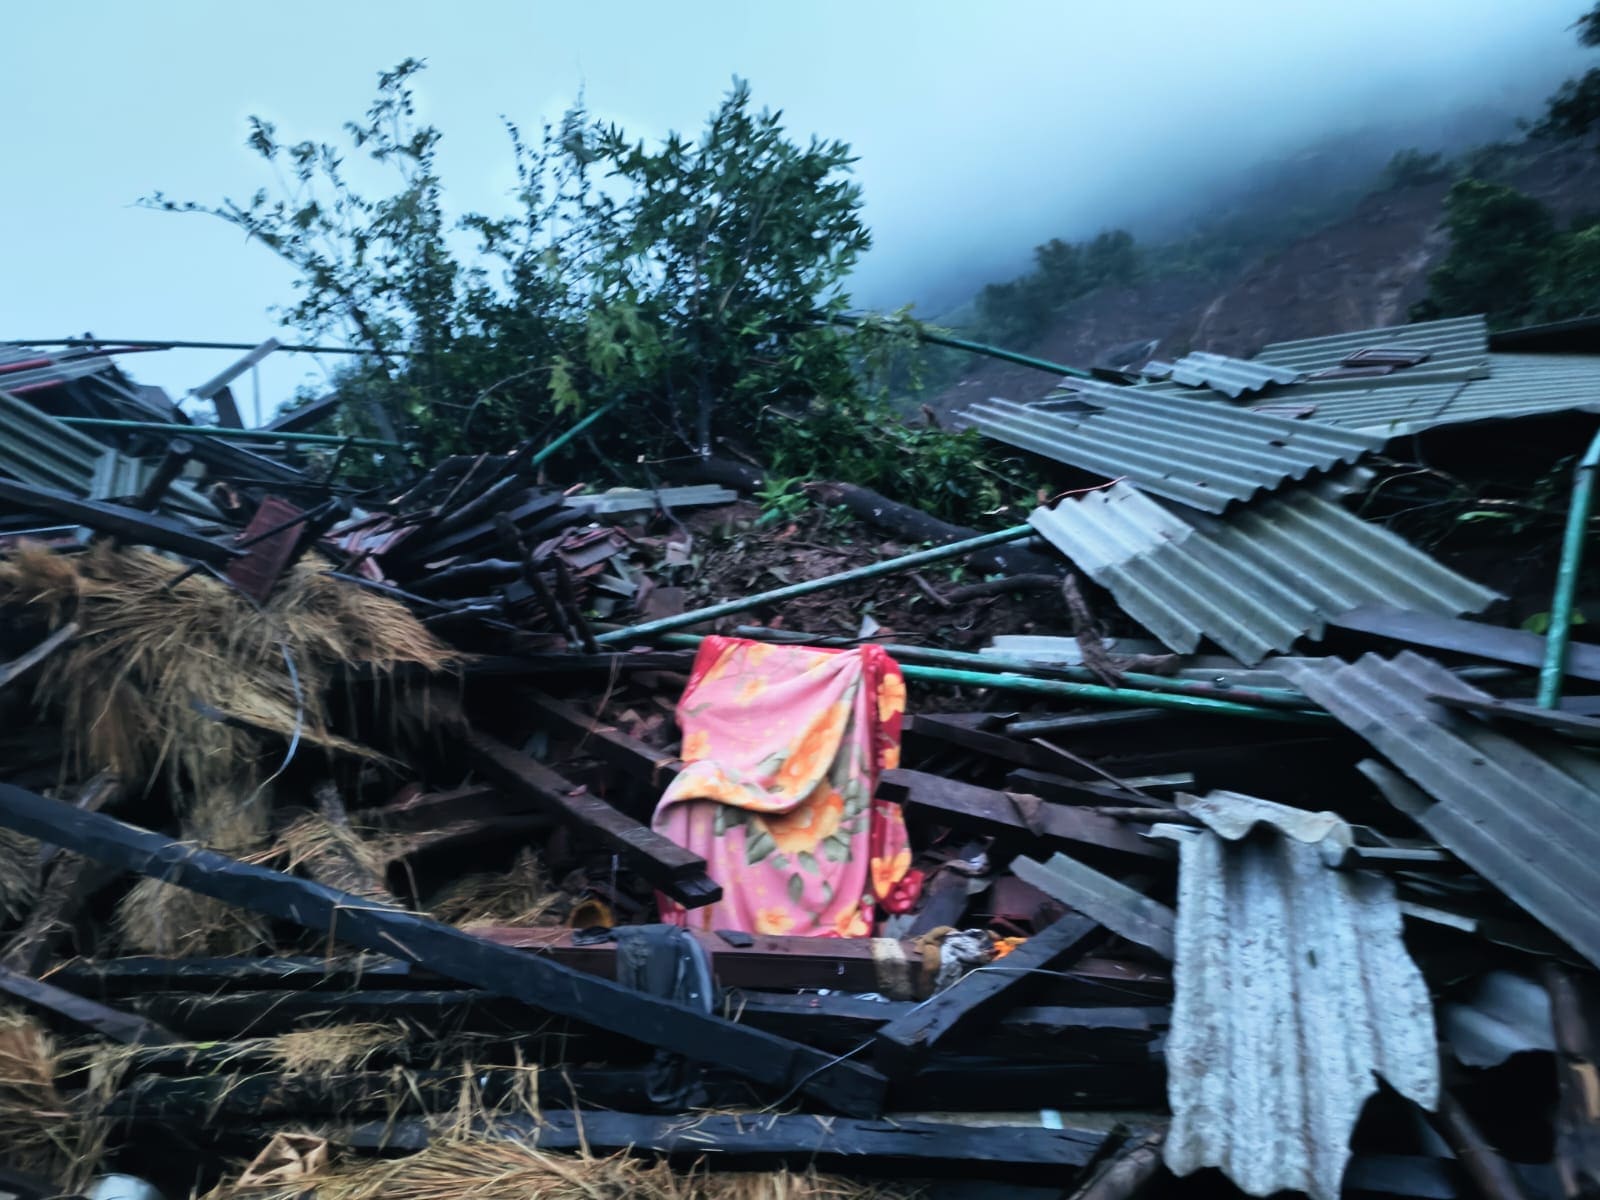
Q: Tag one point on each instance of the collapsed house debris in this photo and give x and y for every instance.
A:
(484, 832)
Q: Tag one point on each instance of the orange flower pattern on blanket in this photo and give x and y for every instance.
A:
(803, 827)
(783, 746)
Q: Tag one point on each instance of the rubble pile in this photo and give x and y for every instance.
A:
(495, 834)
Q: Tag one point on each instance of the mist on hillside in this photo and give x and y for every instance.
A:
(1163, 146)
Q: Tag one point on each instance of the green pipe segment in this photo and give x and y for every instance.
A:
(856, 574)
(1264, 697)
(1559, 633)
(1093, 692)
(222, 431)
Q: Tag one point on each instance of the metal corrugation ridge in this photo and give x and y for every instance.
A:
(1508, 386)
(1253, 582)
(38, 449)
(1456, 339)
(1233, 377)
(1200, 453)
(1519, 809)
(1292, 992)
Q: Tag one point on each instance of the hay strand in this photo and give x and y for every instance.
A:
(500, 1170)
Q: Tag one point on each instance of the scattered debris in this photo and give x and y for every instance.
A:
(484, 834)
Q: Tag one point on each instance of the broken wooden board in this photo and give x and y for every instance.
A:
(610, 745)
(774, 1062)
(902, 1045)
(1472, 638)
(108, 1022)
(769, 1138)
(125, 524)
(679, 873)
(984, 810)
(1120, 908)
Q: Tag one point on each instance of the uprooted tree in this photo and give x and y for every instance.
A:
(693, 283)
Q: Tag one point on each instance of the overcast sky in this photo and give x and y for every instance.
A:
(981, 129)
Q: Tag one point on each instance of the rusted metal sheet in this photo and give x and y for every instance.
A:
(1520, 809)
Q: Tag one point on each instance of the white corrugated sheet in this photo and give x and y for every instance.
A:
(1293, 992)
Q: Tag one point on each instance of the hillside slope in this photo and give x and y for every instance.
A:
(1362, 271)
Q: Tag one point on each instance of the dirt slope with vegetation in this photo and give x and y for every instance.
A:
(1364, 270)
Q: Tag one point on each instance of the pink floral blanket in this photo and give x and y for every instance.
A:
(784, 745)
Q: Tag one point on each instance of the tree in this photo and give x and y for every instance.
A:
(1575, 108)
(693, 285)
(1499, 243)
(692, 282)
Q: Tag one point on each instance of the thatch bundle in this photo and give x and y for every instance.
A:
(185, 680)
(36, 1134)
(150, 648)
(19, 874)
(498, 1170)
(521, 896)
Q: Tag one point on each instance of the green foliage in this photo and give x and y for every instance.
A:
(1575, 108)
(1015, 313)
(1414, 168)
(1507, 259)
(1499, 243)
(692, 281)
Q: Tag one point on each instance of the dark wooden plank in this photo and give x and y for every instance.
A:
(660, 860)
(847, 964)
(942, 730)
(984, 810)
(99, 1018)
(125, 524)
(1472, 638)
(903, 1044)
(1573, 725)
(776, 1137)
(1139, 789)
(539, 981)
(606, 742)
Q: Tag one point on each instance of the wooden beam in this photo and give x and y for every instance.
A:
(984, 810)
(605, 741)
(902, 1045)
(677, 871)
(1473, 638)
(125, 524)
(770, 1061)
(949, 729)
(776, 1137)
(90, 1014)
(843, 964)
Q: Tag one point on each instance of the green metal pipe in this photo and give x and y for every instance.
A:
(855, 575)
(221, 431)
(1094, 692)
(1263, 697)
(1100, 694)
(574, 432)
(955, 343)
(1559, 633)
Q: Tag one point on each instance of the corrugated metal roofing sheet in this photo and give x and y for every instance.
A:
(1458, 340)
(1254, 581)
(38, 449)
(1197, 452)
(1292, 991)
(1509, 385)
(1519, 809)
(1233, 377)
